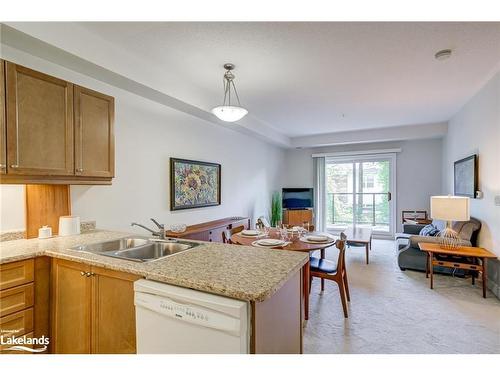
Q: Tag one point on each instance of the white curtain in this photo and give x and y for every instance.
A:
(319, 193)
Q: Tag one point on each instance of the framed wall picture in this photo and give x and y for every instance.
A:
(465, 172)
(194, 184)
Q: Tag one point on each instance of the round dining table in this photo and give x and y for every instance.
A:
(294, 244)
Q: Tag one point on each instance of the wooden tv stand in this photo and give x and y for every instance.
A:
(297, 217)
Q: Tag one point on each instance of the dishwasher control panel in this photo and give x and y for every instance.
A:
(183, 311)
(190, 313)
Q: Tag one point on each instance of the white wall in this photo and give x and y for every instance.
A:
(475, 129)
(418, 174)
(147, 134)
(12, 207)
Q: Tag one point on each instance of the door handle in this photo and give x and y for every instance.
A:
(389, 196)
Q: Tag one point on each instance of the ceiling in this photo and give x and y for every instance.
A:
(304, 83)
(313, 78)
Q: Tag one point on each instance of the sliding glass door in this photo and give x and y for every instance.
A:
(359, 192)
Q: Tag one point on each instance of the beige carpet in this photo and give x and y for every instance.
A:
(392, 311)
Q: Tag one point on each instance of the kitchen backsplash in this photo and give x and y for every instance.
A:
(85, 226)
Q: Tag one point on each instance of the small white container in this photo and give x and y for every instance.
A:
(44, 232)
(69, 225)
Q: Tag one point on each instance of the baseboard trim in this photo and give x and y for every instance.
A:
(493, 277)
(494, 287)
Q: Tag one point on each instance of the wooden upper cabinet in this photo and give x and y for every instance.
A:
(39, 123)
(94, 133)
(3, 130)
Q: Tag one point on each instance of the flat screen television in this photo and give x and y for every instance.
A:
(297, 198)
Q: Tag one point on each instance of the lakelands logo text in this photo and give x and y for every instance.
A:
(24, 344)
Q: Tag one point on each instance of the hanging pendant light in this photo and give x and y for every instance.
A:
(228, 112)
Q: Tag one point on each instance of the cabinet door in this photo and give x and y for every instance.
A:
(39, 123)
(298, 217)
(3, 130)
(113, 312)
(216, 234)
(200, 236)
(71, 307)
(94, 134)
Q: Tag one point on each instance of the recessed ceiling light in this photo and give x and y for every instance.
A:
(443, 54)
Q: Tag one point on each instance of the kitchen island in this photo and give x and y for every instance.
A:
(269, 280)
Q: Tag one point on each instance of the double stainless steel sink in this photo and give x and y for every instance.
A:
(138, 249)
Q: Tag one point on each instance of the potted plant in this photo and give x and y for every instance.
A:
(276, 210)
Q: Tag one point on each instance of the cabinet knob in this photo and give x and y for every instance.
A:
(2, 166)
(83, 273)
(14, 166)
(79, 170)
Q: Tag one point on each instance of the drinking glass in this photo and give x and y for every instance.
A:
(284, 234)
(305, 225)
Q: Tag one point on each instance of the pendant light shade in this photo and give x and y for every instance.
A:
(228, 112)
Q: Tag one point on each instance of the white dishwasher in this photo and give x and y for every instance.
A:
(171, 319)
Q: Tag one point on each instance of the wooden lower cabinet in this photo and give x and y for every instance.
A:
(211, 231)
(297, 217)
(113, 313)
(89, 315)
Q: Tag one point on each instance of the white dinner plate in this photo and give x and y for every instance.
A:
(269, 242)
(250, 233)
(317, 239)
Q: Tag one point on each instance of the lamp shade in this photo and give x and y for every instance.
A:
(450, 208)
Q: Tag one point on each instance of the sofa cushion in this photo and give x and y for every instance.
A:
(439, 224)
(465, 229)
(429, 230)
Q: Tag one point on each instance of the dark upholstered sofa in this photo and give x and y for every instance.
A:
(411, 257)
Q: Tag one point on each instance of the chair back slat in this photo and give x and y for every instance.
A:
(226, 235)
(340, 244)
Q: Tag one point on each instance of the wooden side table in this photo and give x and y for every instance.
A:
(464, 251)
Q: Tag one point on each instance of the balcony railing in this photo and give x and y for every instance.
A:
(370, 208)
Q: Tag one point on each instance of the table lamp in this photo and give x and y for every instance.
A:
(450, 208)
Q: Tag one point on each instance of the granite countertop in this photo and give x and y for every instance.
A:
(241, 272)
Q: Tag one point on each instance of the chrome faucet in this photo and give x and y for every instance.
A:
(161, 227)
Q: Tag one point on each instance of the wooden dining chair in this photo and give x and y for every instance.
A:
(263, 221)
(226, 235)
(335, 271)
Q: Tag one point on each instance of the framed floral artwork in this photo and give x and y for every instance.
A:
(194, 184)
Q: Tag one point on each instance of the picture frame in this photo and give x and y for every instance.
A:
(194, 184)
(465, 182)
